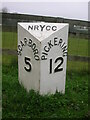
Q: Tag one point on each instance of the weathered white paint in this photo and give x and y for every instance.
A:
(39, 78)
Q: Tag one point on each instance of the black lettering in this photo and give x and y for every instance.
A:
(19, 47)
(43, 57)
(25, 41)
(36, 27)
(46, 49)
(22, 44)
(42, 27)
(48, 28)
(36, 57)
(30, 43)
(35, 51)
(30, 27)
(55, 41)
(50, 44)
(58, 67)
(63, 45)
(50, 66)
(19, 53)
(65, 54)
(33, 46)
(27, 62)
(60, 42)
(54, 28)
(64, 48)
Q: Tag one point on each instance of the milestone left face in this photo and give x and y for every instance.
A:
(28, 59)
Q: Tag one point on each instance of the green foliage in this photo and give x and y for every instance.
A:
(17, 103)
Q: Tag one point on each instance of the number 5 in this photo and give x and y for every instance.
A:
(27, 61)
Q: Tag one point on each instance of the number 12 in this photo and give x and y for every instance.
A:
(58, 68)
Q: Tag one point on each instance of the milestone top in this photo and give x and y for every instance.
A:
(42, 30)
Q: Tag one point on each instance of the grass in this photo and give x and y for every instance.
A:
(17, 103)
(77, 66)
(9, 40)
(9, 59)
(76, 46)
(0, 91)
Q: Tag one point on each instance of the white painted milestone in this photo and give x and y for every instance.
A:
(42, 56)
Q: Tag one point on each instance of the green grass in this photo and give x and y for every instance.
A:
(17, 103)
(0, 91)
(9, 40)
(76, 46)
(77, 66)
(9, 59)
